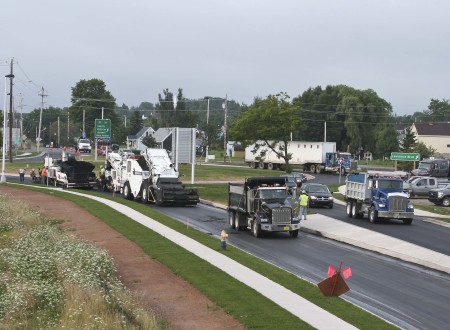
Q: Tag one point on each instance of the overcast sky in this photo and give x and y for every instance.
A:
(239, 48)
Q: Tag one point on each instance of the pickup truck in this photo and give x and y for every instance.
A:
(421, 186)
(440, 196)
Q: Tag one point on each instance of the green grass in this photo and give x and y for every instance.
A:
(245, 304)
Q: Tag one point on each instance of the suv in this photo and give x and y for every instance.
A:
(440, 196)
(319, 194)
(84, 145)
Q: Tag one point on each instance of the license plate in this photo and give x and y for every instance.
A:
(286, 228)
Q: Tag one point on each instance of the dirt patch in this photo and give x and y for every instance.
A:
(155, 285)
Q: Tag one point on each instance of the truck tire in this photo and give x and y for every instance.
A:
(349, 209)
(144, 193)
(261, 165)
(256, 229)
(407, 221)
(293, 233)
(236, 221)
(354, 211)
(373, 215)
(127, 191)
(252, 165)
(231, 219)
(313, 168)
(270, 166)
(446, 202)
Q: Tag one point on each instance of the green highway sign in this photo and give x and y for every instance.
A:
(405, 156)
(103, 128)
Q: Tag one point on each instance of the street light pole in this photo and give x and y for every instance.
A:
(207, 129)
(3, 178)
(225, 130)
(10, 76)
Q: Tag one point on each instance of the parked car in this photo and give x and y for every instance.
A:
(115, 147)
(101, 151)
(440, 196)
(422, 185)
(319, 194)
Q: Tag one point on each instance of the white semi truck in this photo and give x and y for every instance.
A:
(316, 157)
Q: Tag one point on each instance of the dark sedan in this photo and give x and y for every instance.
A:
(319, 194)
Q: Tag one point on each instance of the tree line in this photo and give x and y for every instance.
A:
(357, 120)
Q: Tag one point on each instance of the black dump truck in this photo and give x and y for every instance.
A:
(262, 204)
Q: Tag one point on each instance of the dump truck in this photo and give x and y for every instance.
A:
(316, 157)
(262, 204)
(380, 196)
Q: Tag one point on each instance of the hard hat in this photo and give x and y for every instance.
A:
(303, 192)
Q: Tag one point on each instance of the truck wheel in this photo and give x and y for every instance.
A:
(231, 219)
(354, 211)
(127, 191)
(312, 168)
(256, 229)
(270, 166)
(446, 202)
(293, 233)
(261, 165)
(407, 221)
(144, 193)
(252, 165)
(236, 221)
(373, 215)
(349, 209)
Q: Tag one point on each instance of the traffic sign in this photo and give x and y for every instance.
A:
(340, 160)
(102, 128)
(405, 156)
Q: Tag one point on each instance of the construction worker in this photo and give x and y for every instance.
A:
(44, 175)
(303, 201)
(102, 172)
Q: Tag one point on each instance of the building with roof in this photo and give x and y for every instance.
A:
(135, 141)
(435, 135)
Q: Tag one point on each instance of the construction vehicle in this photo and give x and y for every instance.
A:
(152, 177)
(262, 204)
(316, 157)
(379, 195)
(69, 172)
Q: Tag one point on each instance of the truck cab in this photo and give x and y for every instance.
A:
(432, 167)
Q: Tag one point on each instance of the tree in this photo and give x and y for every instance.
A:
(136, 122)
(149, 141)
(439, 110)
(409, 141)
(88, 97)
(165, 108)
(386, 141)
(268, 123)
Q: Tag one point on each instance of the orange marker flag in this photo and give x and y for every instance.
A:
(347, 272)
(331, 270)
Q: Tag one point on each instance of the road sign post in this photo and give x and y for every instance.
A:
(102, 131)
(405, 156)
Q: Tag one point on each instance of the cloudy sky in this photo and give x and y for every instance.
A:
(239, 48)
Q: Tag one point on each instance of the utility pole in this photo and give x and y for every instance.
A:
(10, 76)
(68, 122)
(225, 131)
(21, 121)
(42, 95)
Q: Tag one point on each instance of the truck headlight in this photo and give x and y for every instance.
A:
(410, 206)
(330, 198)
(381, 205)
(313, 197)
(264, 220)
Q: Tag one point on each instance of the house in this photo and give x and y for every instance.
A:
(435, 135)
(178, 142)
(135, 141)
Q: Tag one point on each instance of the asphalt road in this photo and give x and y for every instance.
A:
(407, 295)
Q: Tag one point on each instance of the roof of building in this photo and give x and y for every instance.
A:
(433, 129)
(139, 134)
